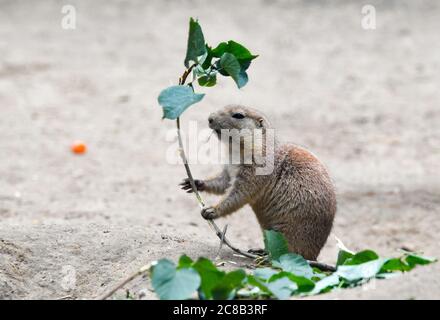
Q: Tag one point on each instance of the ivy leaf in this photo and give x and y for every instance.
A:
(242, 78)
(303, 284)
(208, 80)
(275, 244)
(343, 256)
(365, 270)
(325, 284)
(395, 264)
(196, 43)
(413, 259)
(264, 273)
(172, 284)
(256, 282)
(361, 257)
(184, 262)
(176, 99)
(282, 288)
(207, 62)
(210, 276)
(344, 253)
(238, 50)
(218, 51)
(230, 65)
(294, 263)
(229, 285)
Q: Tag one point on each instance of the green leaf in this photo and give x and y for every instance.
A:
(184, 262)
(365, 270)
(207, 63)
(265, 273)
(303, 284)
(235, 48)
(275, 244)
(343, 256)
(242, 78)
(176, 99)
(210, 276)
(218, 51)
(172, 284)
(239, 51)
(325, 284)
(230, 65)
(361, 257)
(256, 282)
(282, 288)
(395, 264)
(208, 80)
(196, 43)
(295, 264)
(413, 259)
(229, 285)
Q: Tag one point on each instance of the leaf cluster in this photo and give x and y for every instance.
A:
(288, 274)
(229, 59)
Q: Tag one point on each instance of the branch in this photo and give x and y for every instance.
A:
(142, 270)
(322, 266)
(213, 225)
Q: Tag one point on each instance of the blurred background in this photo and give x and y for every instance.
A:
(364, 100)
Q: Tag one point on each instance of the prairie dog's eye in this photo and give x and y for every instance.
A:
(238, 115)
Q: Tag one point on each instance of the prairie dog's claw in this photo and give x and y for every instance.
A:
(209, 213)
(186, 185)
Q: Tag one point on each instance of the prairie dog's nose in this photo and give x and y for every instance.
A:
(211, 119)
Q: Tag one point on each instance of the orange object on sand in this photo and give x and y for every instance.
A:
(78, 147)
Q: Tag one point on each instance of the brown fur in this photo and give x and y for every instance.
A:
(297, 198)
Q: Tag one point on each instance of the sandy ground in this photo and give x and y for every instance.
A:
(366, 102)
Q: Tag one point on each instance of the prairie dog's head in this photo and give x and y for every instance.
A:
(237, 117)
(241, 129)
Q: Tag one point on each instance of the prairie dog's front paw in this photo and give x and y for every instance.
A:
(186, 185)
(209, 213)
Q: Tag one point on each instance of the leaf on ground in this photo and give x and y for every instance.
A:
(365, 270)
(229, 285)
(210, 276)
(176, 99)
(343, 256)
(282, 287)
(414, 259)
(170, 283)
(361, 257)
(295, 264)
(395, 264)
(264, 273)
(184, 262)
(304, 284)
(258, 283)
(275, 244)
(196, 43)
(326, 284)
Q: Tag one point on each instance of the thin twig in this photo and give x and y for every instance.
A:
(217, 230)
(322, 266)
(141, 271)
(222, 240)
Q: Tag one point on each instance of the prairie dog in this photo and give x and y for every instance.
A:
(297, 198)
